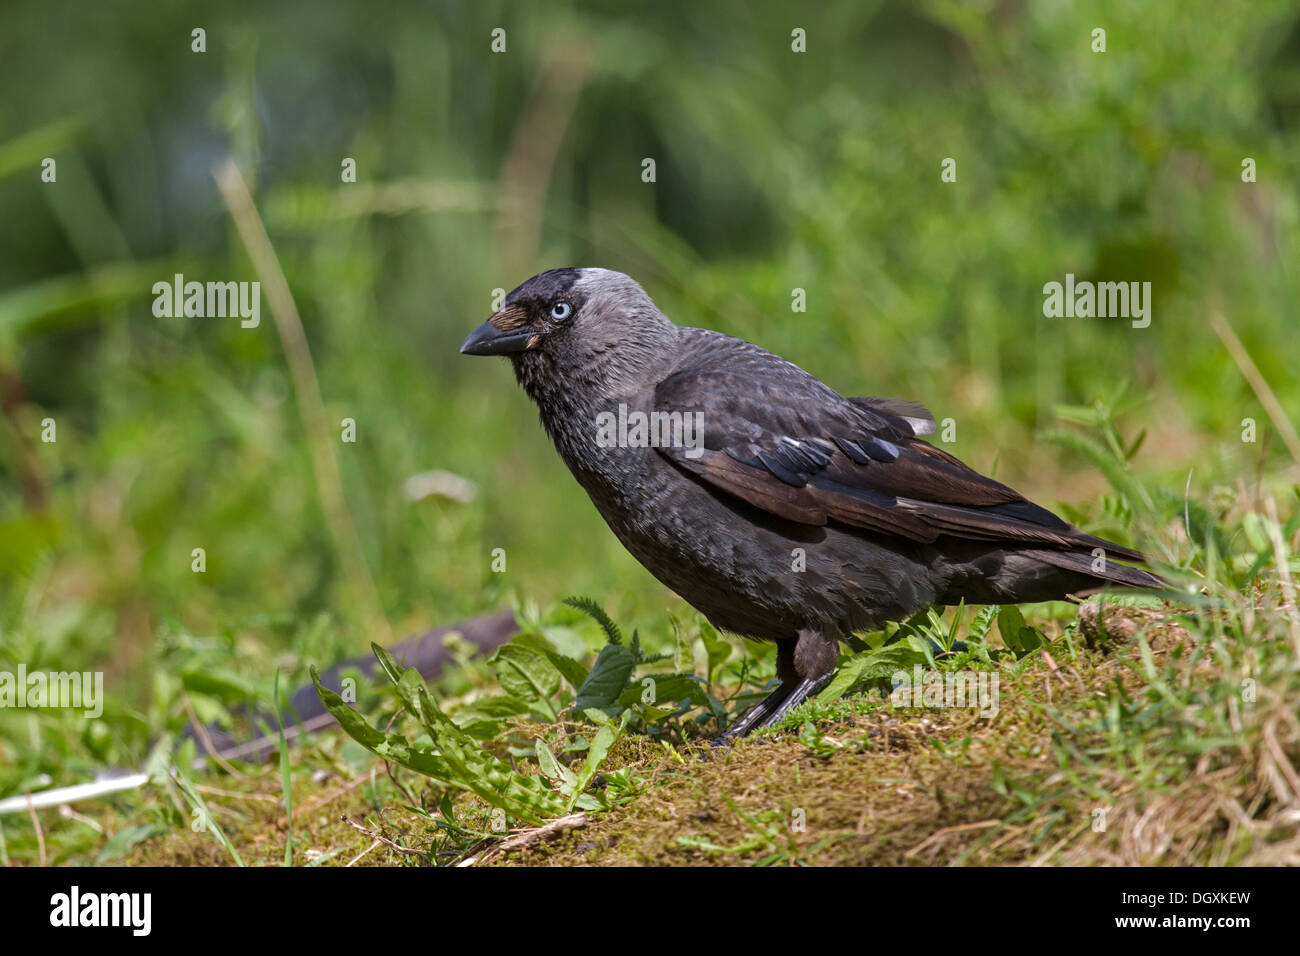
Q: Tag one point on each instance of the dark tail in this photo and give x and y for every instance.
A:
(1012, 575)
(1102, 570)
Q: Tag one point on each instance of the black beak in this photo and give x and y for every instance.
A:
(489, 339)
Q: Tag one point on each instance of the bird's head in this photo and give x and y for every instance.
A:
(576, 327)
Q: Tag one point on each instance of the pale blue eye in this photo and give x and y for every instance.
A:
(561, 311)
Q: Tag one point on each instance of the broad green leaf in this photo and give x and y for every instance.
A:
(575, 672)
(387, 662)
(1010, 623)
(1030, 638)
(653, 715)
(901, 655)
(668, 688)
(613, 667)
(845, 678)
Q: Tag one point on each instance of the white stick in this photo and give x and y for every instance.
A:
(58, 796)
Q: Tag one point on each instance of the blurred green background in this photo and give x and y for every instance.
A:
(775, 170)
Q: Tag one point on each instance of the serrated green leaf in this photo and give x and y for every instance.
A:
(486, 717)
(526, 673)
(595, 611)
(983, 623)
(460, 764)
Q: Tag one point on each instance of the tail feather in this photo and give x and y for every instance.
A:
(1029, 575)
(1104, 570)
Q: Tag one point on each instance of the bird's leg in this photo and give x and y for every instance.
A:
(805, 666)
(756, 715)
(815, 657)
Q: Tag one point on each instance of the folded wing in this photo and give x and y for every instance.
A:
(797, 449)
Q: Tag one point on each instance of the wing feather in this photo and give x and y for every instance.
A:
(798, 450)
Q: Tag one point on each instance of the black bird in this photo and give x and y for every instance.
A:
(801, 516)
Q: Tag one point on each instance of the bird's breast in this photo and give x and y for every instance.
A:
(748, 571)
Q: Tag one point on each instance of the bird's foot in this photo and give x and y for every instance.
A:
(802, 692)
(772, 709)
(753, 718)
